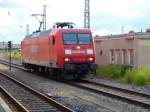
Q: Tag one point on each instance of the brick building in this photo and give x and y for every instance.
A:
(124, 49)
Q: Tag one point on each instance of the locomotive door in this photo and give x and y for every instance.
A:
(52, 51)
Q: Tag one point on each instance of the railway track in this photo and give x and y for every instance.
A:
(26, 98)
(132, 97)
(10, 105)
(18, 66)
(129, 96)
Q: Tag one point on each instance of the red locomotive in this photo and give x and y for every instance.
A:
(60, 51)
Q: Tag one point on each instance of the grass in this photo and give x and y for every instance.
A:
(14, 54)
(139, 76)
(112, 71)
(123, 74)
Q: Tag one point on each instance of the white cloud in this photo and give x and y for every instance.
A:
(66, 10)
(101, 32)
(119, 8)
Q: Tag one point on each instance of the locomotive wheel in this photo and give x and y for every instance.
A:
(54, 73)
(76, 76)
(41, 69)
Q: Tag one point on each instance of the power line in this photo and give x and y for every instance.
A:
(42, 21)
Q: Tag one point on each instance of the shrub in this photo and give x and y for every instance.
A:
(148, 30)
(139, 76)
(111, 71)
(14, 54)
(131, 31)
(124, 74)
(129, 76)
(139, 80)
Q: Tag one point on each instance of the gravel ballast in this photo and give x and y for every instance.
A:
(75, 98)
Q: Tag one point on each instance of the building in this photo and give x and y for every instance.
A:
(4, 46)
(125, 49)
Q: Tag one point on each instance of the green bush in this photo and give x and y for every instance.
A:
(148, 30)
(111, 71)
(139, 76)
(14, 54)
(124, 74)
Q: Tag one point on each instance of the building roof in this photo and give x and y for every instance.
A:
(141, 35)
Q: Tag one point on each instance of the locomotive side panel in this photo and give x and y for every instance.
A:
(60, 50)
(24, 49)
(55, 49)
(43, 51)
(29, 49)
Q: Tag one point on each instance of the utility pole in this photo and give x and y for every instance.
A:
(42, 21)
(87, 14)
(44, 17)
(27, 29)
(122, 29)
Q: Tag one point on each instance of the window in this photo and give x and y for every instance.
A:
(118, 57)
(101, 52)
(131, 57)
(84, 38)
(112, 57)
(125, 57)
(76, 38)
(70, 38)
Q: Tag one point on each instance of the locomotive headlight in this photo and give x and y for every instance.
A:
(67, 51)
(89, 51)
(67, 59)
(78, 47)
(90, 59)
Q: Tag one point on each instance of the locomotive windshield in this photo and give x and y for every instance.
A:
(70, 38)
(77, 38)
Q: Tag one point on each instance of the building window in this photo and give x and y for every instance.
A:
(131, 56)
(101, 52)
(124, 57)
(117, 56)
(112, 57)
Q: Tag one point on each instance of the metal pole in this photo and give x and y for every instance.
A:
(27, 29)
(9, 50)
(44, 17)
(87, 14)
(122, 29)
(10, 59)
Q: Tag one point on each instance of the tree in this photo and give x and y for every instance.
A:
(148, 30)
(131, 31)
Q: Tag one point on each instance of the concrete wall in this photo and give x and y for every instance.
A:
(143, 52)
(119, 45)
(127, 49)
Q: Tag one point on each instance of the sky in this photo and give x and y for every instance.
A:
(107, 16)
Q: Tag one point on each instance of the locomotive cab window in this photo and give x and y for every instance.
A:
(84, 39)
(70, 38)
(77, 38)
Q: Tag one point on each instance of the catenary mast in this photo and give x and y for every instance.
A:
(44, 17)
(87, 14)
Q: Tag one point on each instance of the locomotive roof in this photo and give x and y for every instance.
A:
(38, 34)
(47, 32)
